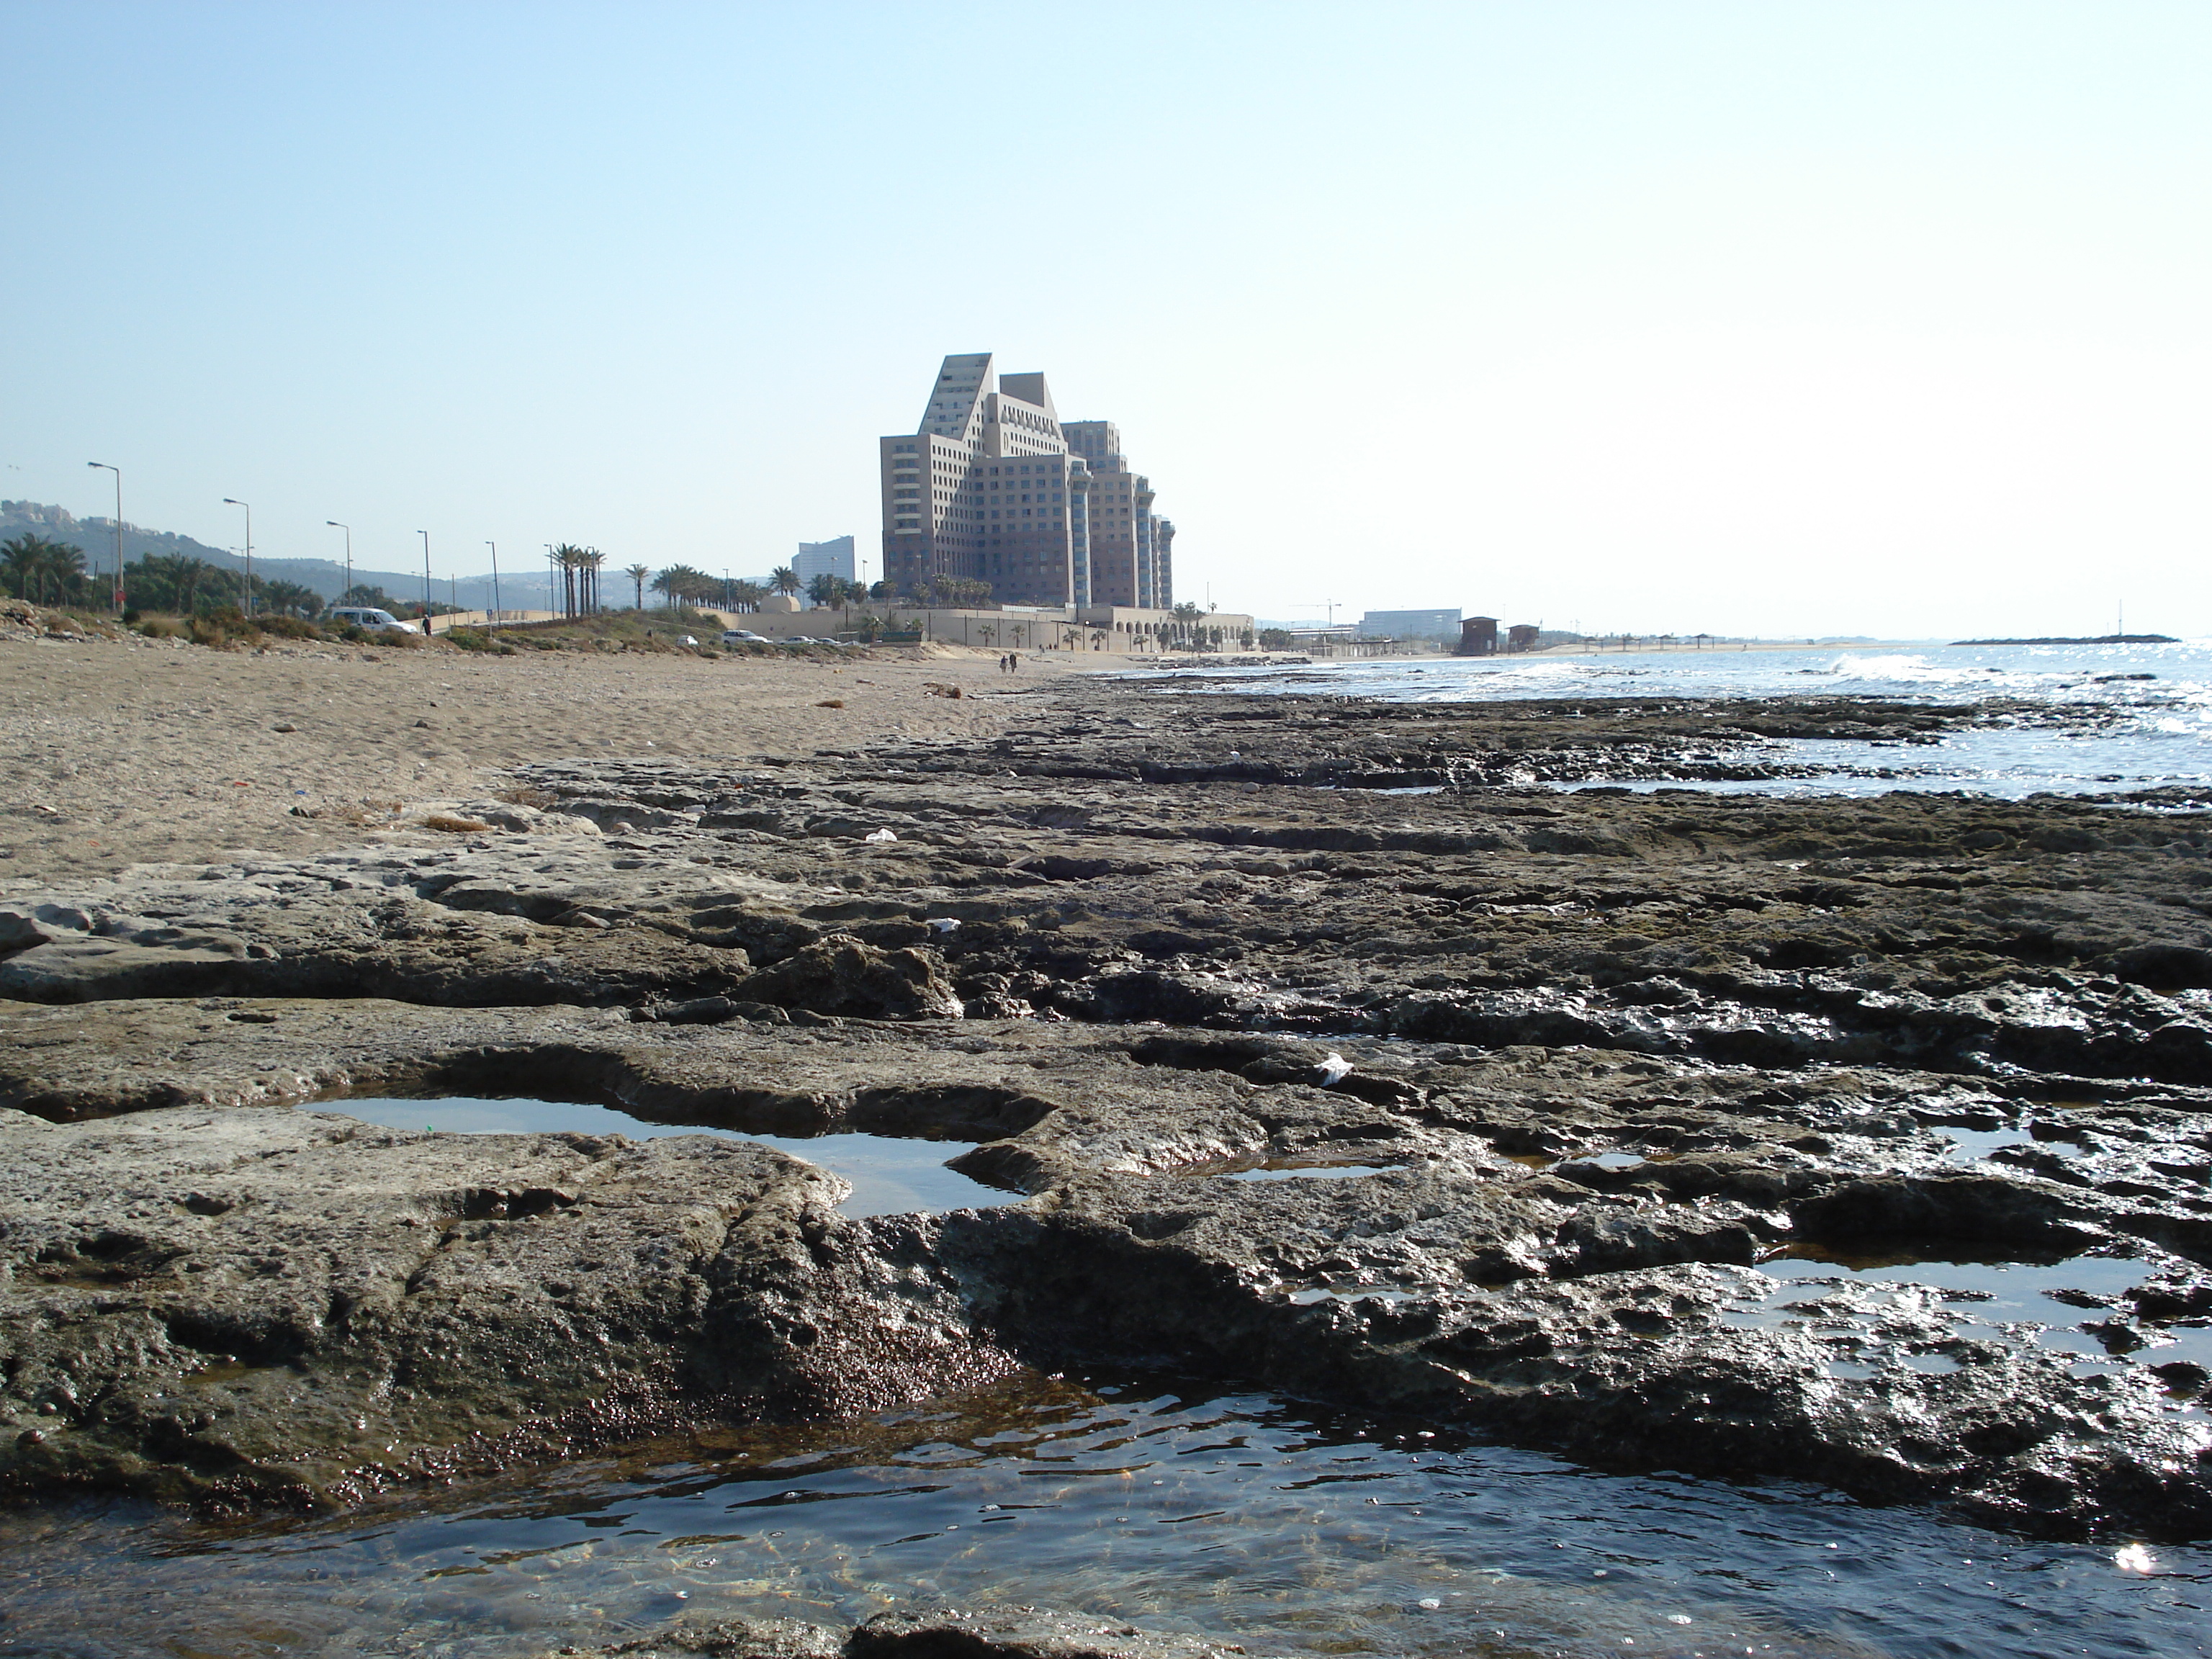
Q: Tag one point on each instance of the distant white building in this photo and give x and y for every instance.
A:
(833, 558)
(1410, 625)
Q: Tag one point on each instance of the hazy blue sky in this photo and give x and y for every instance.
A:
(1762, 317)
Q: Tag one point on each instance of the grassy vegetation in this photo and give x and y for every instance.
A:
(653, 632)
(227, 626)
(659, 632)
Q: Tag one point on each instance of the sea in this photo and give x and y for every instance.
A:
(2060, 718)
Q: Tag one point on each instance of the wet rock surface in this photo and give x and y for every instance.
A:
(236, 1305)
(945, 1633)
(1585, 1119)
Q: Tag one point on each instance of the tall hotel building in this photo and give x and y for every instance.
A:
(993, 485)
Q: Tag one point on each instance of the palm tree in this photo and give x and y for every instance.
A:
(65, 571)
(192, 576)
(590, 563)
(685, 585)
(292, 599)
(569, 558)
(746, 596)
(369, 597)
(827, 589)
(784, 579)
(638, 574)
(38, 567)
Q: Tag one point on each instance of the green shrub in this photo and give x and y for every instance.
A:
(475, 639)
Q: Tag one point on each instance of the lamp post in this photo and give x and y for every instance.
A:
(348, 528)
(552, 580)
(493, 620)
(425, 535)
(232, 501)
(117, 471)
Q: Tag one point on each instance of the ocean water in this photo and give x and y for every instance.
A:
(1183, 1506)
(2097, 718)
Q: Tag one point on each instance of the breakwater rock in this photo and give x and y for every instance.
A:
(1648, 1128)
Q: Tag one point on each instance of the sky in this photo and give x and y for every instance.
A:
(1772, 318)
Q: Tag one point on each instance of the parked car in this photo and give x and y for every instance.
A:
(368, 616)
(741, 636)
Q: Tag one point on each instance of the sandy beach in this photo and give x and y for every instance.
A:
(117, 753)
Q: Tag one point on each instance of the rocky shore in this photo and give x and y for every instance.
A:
(1608, 1055)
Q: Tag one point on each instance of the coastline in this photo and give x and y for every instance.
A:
(1589, 1063)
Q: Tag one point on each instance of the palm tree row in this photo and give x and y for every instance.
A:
(829, 590)
(172, 582)
(681, 584)
(39, 569)
(579, 578)
(182, 586)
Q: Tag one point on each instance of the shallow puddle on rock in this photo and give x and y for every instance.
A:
(1612, 1160)
(1973, 1145)
(1980, 1294)
(1184, 1507)
(890, 1176)
(2014, 1289)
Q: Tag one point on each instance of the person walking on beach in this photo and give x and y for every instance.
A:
(1013, 662)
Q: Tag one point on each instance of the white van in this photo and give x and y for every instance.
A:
(367, 616)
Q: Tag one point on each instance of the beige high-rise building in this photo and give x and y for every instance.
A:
(993, 486)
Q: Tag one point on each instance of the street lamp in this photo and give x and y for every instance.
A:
(493, 620)
(232, 501)
(552, 579)
(425, 535)
(348, 528)
(117, 471)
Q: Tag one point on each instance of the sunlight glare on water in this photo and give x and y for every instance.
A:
(2140, 715)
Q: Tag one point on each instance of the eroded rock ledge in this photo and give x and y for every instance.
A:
(1605, 1053)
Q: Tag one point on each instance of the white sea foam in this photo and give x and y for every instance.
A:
(1901, 667)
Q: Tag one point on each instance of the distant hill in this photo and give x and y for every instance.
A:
(518, 590)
